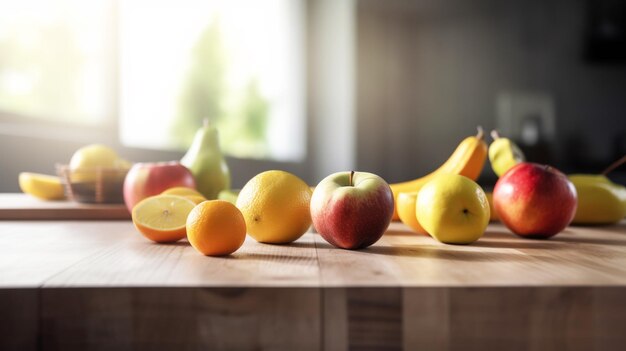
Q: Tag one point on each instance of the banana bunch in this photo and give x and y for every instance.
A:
(467, 159)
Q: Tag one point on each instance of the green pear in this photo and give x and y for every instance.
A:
(206, 162)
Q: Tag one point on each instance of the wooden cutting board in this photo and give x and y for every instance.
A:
(22, 206)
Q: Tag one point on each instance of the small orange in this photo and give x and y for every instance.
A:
(493, 215)
(181, 191)
(406, 211)
(162, 218)
(216, 228)
(190, 193)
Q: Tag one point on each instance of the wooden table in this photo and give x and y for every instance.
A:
(101, 285)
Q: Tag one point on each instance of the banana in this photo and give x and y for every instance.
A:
(600, 201)
(503, 154)
(468, 160)
(42, 186)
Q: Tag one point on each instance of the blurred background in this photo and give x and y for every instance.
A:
(312, 86)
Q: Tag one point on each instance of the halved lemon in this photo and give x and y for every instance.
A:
(162, 218)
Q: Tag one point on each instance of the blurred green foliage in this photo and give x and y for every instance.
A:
(241, 115)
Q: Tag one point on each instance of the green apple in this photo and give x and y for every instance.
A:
(453, 209)
(229, 195)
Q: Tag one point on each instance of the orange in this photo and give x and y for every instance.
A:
(162, 218)
(190, 193)
(493, 215)
(406, 211)
(216, 228)
(181, 191)
(196, 198)
(275, 205)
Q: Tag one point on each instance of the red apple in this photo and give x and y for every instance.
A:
(152, 178)
(535, 201)
(352, 210)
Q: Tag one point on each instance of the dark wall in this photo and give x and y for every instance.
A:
(430, 71)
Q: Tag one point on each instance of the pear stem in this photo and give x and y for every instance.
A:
(614, 165)
(350, 178)
(495, 135)
(205, 122)
(480, 133)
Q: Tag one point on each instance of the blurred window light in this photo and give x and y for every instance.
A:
(56, 61)
(158, 68)
(239, 63)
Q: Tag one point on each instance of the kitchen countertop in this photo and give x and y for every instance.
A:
(100, 283)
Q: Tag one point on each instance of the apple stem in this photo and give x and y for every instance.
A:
(480, 133)
(350, 178)
(495, 135)
(614, 165)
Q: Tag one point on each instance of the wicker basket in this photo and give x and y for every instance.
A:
(94, 185)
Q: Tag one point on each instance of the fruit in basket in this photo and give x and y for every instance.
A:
(216, 228)
(87, 160)
(504, 154)
(467, 159)
(152, 178)
(275, 205)
(352, 210)
(535, 201)
(162, 218)
(406, 211)
(41, 186)
(207, 164)
(453, 209)
(600, 201)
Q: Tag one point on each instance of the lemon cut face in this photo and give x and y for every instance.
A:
(162, 218)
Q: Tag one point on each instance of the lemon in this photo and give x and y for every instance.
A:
(162, 218)
(275, 205)
(42, 186)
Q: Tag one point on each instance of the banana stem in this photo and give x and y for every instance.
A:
(480, 133)
(614, 165)
(495, 135)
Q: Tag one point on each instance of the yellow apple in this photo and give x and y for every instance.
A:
(87, 161)
(453, 209)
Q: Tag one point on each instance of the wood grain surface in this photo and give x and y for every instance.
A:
(101, 285)
(26, 207)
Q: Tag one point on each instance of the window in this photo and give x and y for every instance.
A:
(159, 68)
(55, 60)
